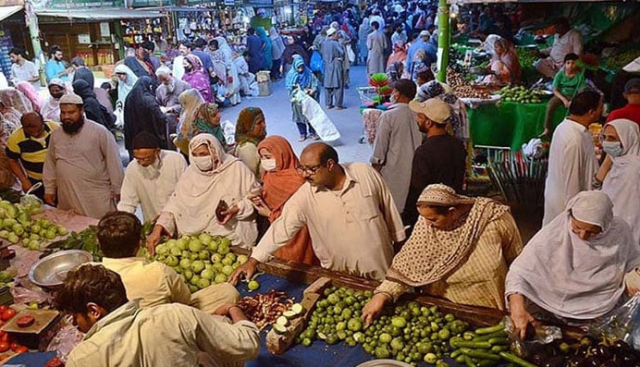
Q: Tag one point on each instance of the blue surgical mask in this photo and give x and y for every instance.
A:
(612, 148)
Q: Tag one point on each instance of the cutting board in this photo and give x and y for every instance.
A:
(42, 319)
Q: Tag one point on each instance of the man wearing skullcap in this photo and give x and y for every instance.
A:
(50, 110)
(151, 177)
(83, 168)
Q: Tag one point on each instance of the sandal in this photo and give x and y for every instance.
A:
(302, 138)
(314, 137)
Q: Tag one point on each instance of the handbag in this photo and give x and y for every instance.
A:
(350, 54)
(316, 65)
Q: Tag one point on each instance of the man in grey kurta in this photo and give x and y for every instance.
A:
(167, 95)
(83, 169)
(333, 57)
(397, 138)
(376, 43)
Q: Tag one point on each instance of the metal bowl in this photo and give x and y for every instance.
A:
(51, 271)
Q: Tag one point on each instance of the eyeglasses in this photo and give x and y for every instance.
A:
(144, 159)
(308, 170)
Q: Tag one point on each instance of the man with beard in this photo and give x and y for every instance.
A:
(83, 169)
(441, 159)
(151, 177)
(54, 68)
(50, 110)
(333, 56)
(27, 149)
(348, 209)
(168, 94)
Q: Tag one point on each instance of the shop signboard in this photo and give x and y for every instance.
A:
(152, 3)
(75, 4)
(6, 44)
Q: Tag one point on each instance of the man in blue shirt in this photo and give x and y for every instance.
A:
(205, 58)
(422, 42)
(54, 68)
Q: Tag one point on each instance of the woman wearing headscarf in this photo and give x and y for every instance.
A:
(399, 54)
(363, 32)
(251, 129)
(197, 117)
(418, 63)
(32, 95)
(196, 77)
(142, 113)
(223, 46)
(280, 180)
(213, 177)
(266, 48)
(277, 49)
(573, 269)
(504, 67)
(301, 77)
(126, 80)
(255, 47)
(460, 249)
(306, 38)
(92, 108)
(290, 50)
(394, 71)
(621, 142)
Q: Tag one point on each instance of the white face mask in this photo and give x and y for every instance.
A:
(268, 164)
(203, 163)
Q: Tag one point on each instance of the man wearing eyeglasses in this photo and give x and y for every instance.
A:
(350, 214)
(151, 177)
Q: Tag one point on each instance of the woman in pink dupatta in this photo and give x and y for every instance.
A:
(32, 95)
(196, 77)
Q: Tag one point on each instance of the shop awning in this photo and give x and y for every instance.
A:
(100, 14)
(518, 1)
(7, 11)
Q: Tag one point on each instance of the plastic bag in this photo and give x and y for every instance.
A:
(31, 203)
(544, 334)
(621, 323)
(350, 54)
(316, 63)
(229, 131)
(533, 149)
(316, 116)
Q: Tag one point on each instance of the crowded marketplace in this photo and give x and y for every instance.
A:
(350, 183)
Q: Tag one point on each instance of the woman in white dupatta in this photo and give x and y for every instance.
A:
(622, 184)
(212, 176)
(574, 267)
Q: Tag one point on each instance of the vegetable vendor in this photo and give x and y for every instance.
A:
(460, 250)
(574, 268)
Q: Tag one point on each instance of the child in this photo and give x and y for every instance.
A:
(566, 84)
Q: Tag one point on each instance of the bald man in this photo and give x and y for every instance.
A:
(351, 216)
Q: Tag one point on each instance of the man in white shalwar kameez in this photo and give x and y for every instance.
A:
(572, 159)
(83, 168)
(212, 176)
(376, 44)
(151, 177)
(396, 142)
(352, 219)
(622, 184)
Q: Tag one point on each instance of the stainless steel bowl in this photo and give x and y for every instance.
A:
(384, 363)
(51, 271)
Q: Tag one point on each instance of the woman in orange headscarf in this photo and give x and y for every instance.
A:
(280, 181)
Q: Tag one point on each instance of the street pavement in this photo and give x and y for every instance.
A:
(277, 112)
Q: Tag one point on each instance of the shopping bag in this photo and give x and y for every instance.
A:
(316, 64)
(622, 323)
(316, 116)
(350, 54)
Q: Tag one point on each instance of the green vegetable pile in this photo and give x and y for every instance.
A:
(200, 260)
(526, 57)
(483, 348)
(86, 240)
(17, 225)
(620, 60)
(409, 332)
(519, 94)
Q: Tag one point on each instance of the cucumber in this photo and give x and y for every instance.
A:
(499, 348)
(280, 329)
(474, 345)
(282, 321)
(486, 337)
(455, 353)
(289, 314)
(501, 341)
(489, 330)
(479, 354)
(468, 361)
(486, 363)
(297, 308)
(516, 360)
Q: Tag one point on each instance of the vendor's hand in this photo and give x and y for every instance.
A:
(229, 214)
(373, 309)
(261, 206)
(521, 318)
(377, 167)
(224, 309)
(545, 134)
(247, 269)
(154, 238)
(566, 103)
(26, 185)
(50, 199)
